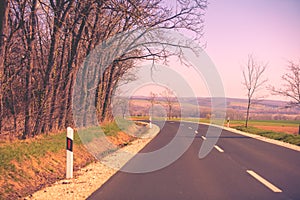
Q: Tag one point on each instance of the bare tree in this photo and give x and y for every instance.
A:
(169, 97)
(291, 85)
(152, 97)
(253, 81)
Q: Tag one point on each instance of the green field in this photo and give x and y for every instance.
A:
(290, 123)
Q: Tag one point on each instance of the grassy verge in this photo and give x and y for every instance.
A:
(34, 148)
(289, 123)
(28, 165)
(112, 129)
(108, 129)
(292, 139)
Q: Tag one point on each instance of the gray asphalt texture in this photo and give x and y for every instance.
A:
(217, 176)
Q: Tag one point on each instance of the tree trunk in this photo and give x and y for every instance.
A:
(44, 111)
(30, 66)
(68, 111)
(108, 93)
(4, 7)
(170, 111)
(248, 109)
(57, 97)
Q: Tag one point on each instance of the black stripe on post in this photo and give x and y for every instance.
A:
(69, 144)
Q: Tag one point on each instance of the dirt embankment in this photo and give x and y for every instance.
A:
(32, 173)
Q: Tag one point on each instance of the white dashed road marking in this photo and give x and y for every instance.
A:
(219, 149)
(264, 181)
(190, 127)
(203, 137)
(196, 131)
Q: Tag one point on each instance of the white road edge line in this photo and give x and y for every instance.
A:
(196, 131)
(219, 149)
(190, 127)
(203, 137)
(264, 181)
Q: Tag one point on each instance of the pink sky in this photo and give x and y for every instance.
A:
(268, 29)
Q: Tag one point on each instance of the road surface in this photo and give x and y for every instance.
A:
(238, 167)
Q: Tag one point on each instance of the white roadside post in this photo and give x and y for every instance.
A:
(228, 120)
(150, 119)
(69, 168)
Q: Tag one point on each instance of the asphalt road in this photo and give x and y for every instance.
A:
(238, 167)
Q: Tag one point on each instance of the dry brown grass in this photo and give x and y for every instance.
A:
(283, 129)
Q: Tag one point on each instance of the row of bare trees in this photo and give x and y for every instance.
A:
(253, 76)
(168, 99)
(43, 43)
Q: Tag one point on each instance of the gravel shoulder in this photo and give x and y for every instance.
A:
(90, 178)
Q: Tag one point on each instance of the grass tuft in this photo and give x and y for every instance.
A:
(110, 129)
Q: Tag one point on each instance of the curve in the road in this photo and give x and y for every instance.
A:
(226, 174)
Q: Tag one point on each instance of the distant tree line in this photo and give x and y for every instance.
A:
(44, 42)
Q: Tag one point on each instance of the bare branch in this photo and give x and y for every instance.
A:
(291, 84)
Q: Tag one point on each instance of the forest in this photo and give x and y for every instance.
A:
(44, 43)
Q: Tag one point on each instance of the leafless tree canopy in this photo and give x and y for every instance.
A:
(46, 42)
(291, 84)
(170, 101)
(253, 80)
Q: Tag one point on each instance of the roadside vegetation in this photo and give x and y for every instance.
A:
(289, 138)
(26, 166)
(260, 127)
(290, 123)
(29, 165)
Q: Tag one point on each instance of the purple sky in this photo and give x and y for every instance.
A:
(268, 29)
